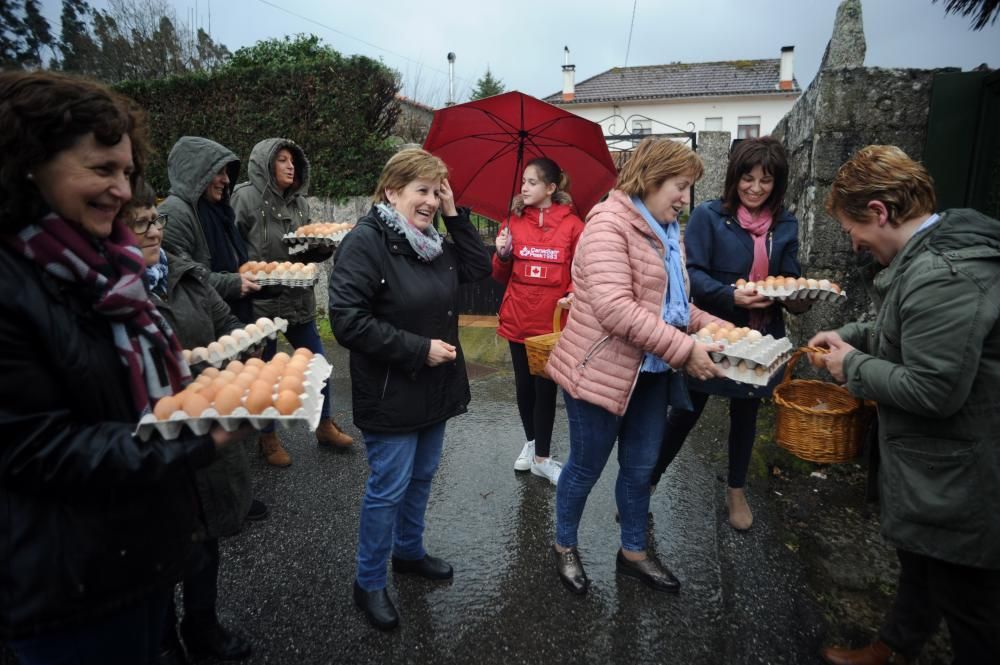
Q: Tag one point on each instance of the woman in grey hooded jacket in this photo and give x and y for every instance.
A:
(267, 207)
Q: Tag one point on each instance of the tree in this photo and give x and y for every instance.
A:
(985, 8)
(487, 86)
(24, 32)
(303, 49)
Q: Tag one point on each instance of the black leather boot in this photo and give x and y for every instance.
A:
(430, 567)
(204, 636)
(378, 606)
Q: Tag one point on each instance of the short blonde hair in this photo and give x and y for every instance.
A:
(881, 173)
(406, 166)
(653, 162)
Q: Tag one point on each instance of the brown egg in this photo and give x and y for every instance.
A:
(270, 374)
(280, 358)
(195, 404)
(208, 391)
(801, 282)
(210, 372)
(712, 327)
(166, 406)
(287, 402)
(290, 382)
(261, 385)
(258, 399)
(228, 399)
(226, 375)
(298, 362)
(734, 336)
(244, 380)
(203, 379)
(254, 362)
(271, 267)
(234, 366)
(740, 283)
(303, 351)
(834, 287)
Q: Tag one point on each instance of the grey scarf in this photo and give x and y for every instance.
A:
(427, 243)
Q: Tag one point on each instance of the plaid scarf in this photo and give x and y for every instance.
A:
(112, 269)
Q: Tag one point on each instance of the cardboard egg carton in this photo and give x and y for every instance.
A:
(309, 411)
(790, 288)
(753, 358)
(286, 273)
(316, 235)
(234, 344)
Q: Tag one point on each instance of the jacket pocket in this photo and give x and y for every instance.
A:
(540, 265)
(934, 482)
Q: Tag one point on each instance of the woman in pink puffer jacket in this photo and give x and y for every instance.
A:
(621, 356)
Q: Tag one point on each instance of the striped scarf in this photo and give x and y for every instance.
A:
(112, 269)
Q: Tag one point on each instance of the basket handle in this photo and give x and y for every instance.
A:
(557, 318)
(802, 350)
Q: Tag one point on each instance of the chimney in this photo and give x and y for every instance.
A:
(569, 84)
(787, 76)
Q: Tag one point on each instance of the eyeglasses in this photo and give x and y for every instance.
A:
(141, 226)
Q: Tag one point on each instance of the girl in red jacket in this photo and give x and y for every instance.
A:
(533, 259)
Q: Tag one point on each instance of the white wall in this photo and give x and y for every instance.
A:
(680, 113)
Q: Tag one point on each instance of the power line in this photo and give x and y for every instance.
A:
(628, 45)
(357, 39)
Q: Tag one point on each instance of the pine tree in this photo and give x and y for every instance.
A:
(487, 86)
(37, 35)
(79, 52)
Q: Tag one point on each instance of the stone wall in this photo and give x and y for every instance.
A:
(843, 110)
(325, 210)
(713, 148)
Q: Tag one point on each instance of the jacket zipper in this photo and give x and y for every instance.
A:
(593, 350)
(385, 385)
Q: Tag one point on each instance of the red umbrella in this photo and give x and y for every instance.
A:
(487, 143)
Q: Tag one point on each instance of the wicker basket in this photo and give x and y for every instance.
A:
(539, 347)
(829, 435)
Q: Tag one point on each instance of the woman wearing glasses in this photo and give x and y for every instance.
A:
(198, 316)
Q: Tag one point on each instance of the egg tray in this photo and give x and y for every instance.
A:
(310, 412)
(267, 279)
(244, 343)
(298, 244)
(803, 293)
(750, 361)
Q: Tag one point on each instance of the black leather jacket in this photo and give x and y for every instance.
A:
(386, 306)
(91, 519)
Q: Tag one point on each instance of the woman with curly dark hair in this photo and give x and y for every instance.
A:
(97, 523)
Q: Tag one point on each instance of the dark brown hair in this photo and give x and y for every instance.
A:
(769, 154)
(44, 113)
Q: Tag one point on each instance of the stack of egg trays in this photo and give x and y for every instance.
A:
(751, 361)
(266, 279)
(316, 375)
(298, 244)
(246, 340)
(802, 293)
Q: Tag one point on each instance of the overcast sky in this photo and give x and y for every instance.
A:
(521, 41)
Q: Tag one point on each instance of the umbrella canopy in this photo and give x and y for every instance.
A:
(487, 143)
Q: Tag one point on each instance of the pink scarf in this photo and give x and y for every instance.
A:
(113, 269)
(757, 226)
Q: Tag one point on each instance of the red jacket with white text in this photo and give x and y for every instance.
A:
(537, 273)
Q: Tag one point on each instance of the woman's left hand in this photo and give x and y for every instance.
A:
(447, 199)
(566, 302)
(700, 365)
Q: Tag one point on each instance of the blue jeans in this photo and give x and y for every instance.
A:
(302, 334)
(592, 435)
(392, 510)
(130, 636)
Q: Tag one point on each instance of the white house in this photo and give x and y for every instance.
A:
(744, 97)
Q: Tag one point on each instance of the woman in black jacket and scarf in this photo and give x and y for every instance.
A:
(97, 524)
(393, 303)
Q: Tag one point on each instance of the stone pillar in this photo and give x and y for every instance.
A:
(327, 210)
(846, 107)
(713, 148)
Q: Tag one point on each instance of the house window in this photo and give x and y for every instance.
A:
(748, 127)
(713, 124)
(642, 126)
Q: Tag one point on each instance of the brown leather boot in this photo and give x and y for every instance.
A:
(876, 653)
(272, 451)
(329, 434)
(740, 517)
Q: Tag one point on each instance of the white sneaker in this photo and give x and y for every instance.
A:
(547, 468)
(523, 461)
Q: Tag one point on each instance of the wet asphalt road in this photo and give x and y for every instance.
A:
(286, 581)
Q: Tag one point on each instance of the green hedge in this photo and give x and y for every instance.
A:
(341, 114)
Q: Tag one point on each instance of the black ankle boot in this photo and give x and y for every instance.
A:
(378, 606)
(204, 636)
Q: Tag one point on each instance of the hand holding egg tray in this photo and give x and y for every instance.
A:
(285, 390)
(239, 341)
(746, 355)
(313, 235)
(795, 288)
(270, 273)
